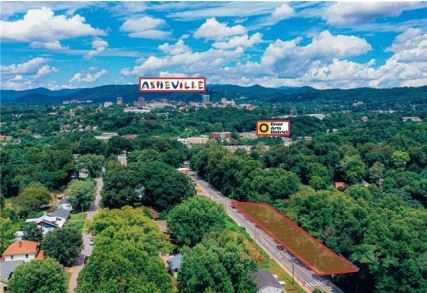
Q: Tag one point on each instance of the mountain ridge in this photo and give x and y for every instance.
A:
(254, 94)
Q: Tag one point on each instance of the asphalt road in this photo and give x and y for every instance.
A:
(87, 247)
(306, 278)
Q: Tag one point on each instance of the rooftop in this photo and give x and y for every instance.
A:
(7, 268)
(175, 262)
(266, 279)
(61, 213)
(22, 247)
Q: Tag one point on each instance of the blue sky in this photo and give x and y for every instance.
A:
(320, 44)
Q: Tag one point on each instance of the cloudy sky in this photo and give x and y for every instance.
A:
(324, 45)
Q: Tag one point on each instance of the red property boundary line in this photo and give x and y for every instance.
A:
(274, 135)
(172, 91)
(319, 273)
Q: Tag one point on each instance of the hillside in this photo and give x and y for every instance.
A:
(292, 97)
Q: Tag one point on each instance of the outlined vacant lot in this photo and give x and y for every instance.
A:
(306, 248)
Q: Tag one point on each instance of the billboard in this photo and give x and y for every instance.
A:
(172, 84)
(273, 128)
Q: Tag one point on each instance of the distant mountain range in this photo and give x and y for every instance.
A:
(253, 94)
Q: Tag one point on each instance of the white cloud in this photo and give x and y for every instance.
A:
(282, 12)
(146, 27)
(42, 26)
(24, 75)
(350, 13)
(287, 58)
(30, 67)
(203, 10)
(54, 45)
(98, 46)
(88, 77)
(214, 30)
(45, 69)
(239, 41)
(174, 49)
(192, 63)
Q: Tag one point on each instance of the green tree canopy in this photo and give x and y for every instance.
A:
(32, 232)
(39, 276)
(81, 194)
(63, 244)
(191, 220)
(216, 266)
(32, 199)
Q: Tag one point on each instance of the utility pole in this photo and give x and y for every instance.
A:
(293, 271)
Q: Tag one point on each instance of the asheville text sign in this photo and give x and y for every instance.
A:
(172, 84)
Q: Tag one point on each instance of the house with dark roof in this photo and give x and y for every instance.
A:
(267, 283)
(6, 270)
(61, 214)
(57, 219)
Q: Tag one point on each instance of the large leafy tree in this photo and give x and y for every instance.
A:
(32, 232)
(8, 229)
(353, 169)
(63, 244)
(125, 257)
(163, 185)
(120, 187)
(217, 266)
(93, 163)
(273, 183)
(191, 220)
(39, 276)
(81, 194)
(32, 199)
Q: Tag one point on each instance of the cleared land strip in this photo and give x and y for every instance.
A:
(306, 248)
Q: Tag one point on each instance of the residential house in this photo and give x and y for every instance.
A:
(234, 148)
(268, 283)
(61, 215)
(122, 158)
(23, 250)
(222, 136)
(411, 118)
(248, 135)
(106, 135)
(50, 222)
(163, 226)
(184, 171)
(341, 185)
(189, 141)
(174, 264)
(6, 270)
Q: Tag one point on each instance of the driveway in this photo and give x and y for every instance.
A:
(87, 248)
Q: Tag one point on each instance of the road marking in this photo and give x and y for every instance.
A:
(317, 284)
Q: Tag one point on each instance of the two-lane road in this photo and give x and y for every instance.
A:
(87, 247)
(306, 278)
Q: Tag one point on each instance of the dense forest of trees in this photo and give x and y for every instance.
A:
(378, 225)
(378, 222)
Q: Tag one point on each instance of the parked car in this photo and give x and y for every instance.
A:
(280, 247)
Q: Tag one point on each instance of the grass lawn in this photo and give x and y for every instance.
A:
(269, 264)
(77, 221)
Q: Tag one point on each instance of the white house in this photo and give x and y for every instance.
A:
(23, 250)
(50, 222)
